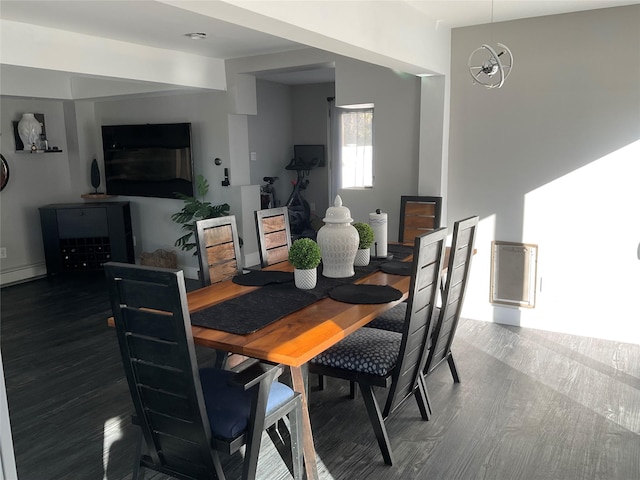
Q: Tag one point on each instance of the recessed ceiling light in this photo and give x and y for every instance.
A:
(196, 35)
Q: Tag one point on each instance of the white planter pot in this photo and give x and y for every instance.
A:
(305, 279)
(29, 130)
(362, 257)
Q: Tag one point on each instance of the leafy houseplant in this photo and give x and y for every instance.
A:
(363, 255)
(193, 210)
(366, 234)
(304, 255)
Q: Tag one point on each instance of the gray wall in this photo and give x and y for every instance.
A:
(310, 113)
(34, 180)
(286, 116)
(396, 100)
(271, 136)
(207, 113)
(552, 159)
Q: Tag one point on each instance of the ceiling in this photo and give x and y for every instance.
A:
(160, 25)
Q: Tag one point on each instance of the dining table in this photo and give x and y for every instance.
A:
(297, 337)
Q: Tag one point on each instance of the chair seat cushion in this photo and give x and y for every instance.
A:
(392, 320)
(229, 407)
(367, 350)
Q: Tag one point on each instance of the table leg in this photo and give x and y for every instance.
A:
(309, 451)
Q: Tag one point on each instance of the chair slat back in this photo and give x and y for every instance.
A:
(156, 345)
(418, 215)
(460, 256)
(428, 258)
(218, 249)
(274, 235)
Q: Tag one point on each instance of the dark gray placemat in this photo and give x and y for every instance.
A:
(260, 278)
(397, 268)
(248, 313)
(365, 294)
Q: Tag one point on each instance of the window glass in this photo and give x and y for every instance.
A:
(356, 148)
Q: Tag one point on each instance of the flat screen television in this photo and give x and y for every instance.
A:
(150, 160)
(312, 155)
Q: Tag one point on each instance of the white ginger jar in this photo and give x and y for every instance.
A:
(338, 241)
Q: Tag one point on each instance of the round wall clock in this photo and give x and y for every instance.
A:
(4, 173)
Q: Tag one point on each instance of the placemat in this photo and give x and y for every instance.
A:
(365, 294)
(248, 313)
(397, 268)
(260, 278)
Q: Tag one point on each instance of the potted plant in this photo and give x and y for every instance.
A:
(193, 210)
(366, 239)
(304, 255)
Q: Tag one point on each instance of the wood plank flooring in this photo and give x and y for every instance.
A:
(531, 405)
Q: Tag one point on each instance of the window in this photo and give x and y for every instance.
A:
(356, 148)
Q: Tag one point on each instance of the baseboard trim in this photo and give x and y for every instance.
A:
(22, 274)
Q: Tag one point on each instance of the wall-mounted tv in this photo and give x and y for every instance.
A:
(150, 160)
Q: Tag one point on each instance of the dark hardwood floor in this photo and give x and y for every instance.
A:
(531, 405)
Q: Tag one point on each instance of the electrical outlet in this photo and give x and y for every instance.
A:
(254, 156)
(3, 252)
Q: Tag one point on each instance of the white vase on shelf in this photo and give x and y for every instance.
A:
(338, 241)
(29, 130)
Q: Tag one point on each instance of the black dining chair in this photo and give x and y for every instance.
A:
(274, 235)
(188, 415)
(373, 357)
(455, 287)
(452, 299)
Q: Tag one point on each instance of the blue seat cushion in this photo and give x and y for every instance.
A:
(229, 407)
(367, 350)
(392, 320)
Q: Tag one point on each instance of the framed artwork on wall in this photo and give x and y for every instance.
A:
(4, 172)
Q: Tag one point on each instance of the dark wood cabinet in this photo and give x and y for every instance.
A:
(83, 236)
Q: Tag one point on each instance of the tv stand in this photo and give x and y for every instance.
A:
(83, 236)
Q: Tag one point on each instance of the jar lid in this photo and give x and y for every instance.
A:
(338, 213)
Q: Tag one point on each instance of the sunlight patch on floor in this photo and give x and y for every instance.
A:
(112, 432)
(565, 376)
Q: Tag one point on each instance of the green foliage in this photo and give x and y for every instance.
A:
(366, 234)
(304, 254)
(194, 210)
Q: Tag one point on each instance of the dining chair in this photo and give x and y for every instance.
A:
(418, 215)
(218, 249)
(187, 415)
(373, 357)
(219, 259)
(457, 275)
(274, 235)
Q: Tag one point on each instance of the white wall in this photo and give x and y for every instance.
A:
(552, 159)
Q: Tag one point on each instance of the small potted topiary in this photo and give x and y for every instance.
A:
(366, 239)
(304, 255)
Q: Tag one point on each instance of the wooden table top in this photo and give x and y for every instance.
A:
(298, 337)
